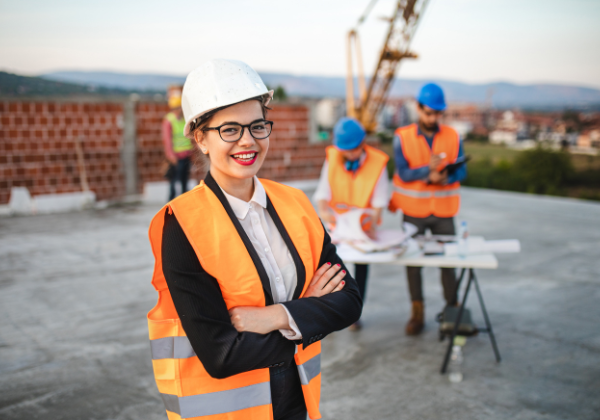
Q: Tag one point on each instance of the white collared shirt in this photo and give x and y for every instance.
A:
(270, 247)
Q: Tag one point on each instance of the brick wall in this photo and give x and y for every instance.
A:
(37, 146)
(150, 155)
(291, 156)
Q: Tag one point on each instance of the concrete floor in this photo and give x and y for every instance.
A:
(75, 289)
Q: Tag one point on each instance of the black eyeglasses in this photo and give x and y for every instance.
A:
(232, 132)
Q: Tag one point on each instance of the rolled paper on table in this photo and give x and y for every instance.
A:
(474, 246)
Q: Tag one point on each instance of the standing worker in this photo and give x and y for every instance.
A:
(178, 148)
(249, 282)
(354, 176)
(425, 192)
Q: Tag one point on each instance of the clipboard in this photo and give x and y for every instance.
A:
(452, 167)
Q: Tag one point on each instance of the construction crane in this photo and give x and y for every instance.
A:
(403, 24)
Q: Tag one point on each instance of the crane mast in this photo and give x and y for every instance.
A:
(371, 98)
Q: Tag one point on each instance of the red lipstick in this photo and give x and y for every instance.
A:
(245, 158)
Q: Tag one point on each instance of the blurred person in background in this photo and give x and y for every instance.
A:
(354, 175)
(178, 148)
(424, 191)
(249, 282)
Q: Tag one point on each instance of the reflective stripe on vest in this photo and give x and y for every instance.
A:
(426, 194)
(309, 369)
(187, 389)
(171, 348)
(218, 402)
(180, 142)
(419, 198)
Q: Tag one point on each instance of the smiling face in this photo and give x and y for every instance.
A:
(236, 161)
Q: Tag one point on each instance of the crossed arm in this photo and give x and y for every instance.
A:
(228, 346)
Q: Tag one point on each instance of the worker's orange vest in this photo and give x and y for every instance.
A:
(418, 198)
(187, 390)
(353, 189)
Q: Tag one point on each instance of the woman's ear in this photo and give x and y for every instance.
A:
(201, 141)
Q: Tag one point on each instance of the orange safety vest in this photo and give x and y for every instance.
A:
(187, 390)
(353, 189)
(418, 198)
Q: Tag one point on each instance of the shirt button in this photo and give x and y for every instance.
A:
(277, 278)
(266, 249)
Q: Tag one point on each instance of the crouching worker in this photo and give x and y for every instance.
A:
(354, 176)
(248, 280)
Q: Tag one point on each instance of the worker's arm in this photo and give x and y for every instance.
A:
(461, 172)
(265, 319)
(323, 195)
(404, 172)
(325, 212)
(317, 317)
(379, 199)
(204, 316)
(167, 137)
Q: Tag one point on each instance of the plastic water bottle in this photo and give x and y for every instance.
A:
(463, 235)
(455, 368)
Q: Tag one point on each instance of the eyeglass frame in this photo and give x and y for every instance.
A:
(218, 129)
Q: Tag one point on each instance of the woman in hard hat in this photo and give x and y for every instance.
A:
(248, 280)
(354, 176)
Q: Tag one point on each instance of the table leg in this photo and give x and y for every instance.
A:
(459, 281)
(487, 319)
(457, 323)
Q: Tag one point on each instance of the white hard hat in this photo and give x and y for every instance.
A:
(218, 83)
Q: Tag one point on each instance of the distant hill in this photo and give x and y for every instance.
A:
(505, 95)
(134, 82)
(16, 85)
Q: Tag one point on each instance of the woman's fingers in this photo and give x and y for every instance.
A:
(339, 287)
(325, 280)
(334, 282)
(328, 275)
(320, 272)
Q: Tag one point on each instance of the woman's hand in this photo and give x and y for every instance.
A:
(327, 279)
(261, 320)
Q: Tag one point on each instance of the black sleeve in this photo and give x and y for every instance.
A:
(318, 317)
(204, 316)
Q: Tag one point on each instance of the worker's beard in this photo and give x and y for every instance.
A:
(429, 127)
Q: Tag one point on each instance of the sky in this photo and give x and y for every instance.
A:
(473, 41)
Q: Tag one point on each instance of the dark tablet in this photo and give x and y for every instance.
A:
(452, 167)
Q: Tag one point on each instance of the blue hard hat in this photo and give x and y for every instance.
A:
(433, 96)
(348, 134)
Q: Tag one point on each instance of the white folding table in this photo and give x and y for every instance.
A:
(414, 257)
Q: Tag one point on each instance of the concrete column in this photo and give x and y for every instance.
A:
(129, 146)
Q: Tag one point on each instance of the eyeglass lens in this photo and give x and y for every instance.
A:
(233, 132)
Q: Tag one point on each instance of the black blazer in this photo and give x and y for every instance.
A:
(204, 316)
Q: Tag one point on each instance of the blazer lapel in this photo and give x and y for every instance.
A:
(262, 273)
(300, 270)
